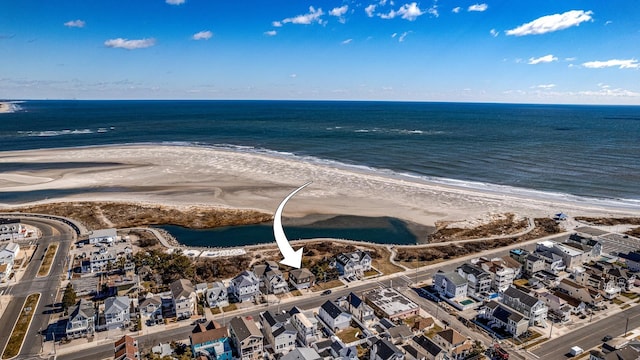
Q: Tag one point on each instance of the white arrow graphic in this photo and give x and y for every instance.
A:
(291, 258)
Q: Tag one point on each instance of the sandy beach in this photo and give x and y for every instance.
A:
(189, 175)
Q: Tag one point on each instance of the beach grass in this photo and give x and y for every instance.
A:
(49, 255)
(348, 335)
(22, 325)
(327, 285)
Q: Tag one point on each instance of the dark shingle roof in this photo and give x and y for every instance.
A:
(332, 309)
(354, 300)
(385, 349)
(428, 345)
(521, 295)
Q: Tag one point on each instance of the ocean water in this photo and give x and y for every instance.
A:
(560, 150)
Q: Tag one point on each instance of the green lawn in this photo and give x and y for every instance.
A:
(22, 325)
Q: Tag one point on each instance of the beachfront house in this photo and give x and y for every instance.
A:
(631, 259)
(478, 280)
(210, 340)
(450, 285)
(81, 320)
(353, 264)
(100, 260)
(245, 287)
(502, 270)
(247, 338)
(106, 236)
(332, 315)
(184, 298)
(216, 295)
(526, 304)
(553, 263)
(11, 229)
(301, 278)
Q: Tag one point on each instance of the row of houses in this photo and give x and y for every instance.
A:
(11, 229)
(9, 252)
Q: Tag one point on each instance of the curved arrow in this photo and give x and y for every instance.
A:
(291, 258)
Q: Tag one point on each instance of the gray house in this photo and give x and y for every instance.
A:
(332, 315)
(184, 298)
(353, 264)
(382, 349)
(116, 312)
(279, 332)
(478, 280)
(217, 295)
(81, 320)
(247, 338)
(530, 306)
(301, 278)
(450, 284)
(245, 286)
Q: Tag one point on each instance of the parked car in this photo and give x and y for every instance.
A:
(326, 292)
(607, 338)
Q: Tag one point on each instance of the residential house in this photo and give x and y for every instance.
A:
(424, 348)
(534, 263)
(216, 295)
(573, 254)
(382, 349)
(553, 263)
(184, 298)
(302, 353)
(596, 278)
(275, 282)
(580, 292)
(116, 312)
(501, 316)
(450, 285)
(626, 352)
(400, 334)
(306, 327)
(245, 287)
(246, 338)
(301, 278)
(631, 259)
(358, 308)
(390, 303)
(559, 309)
(151, 310)
(82, 319)
(335, 318)
(478, 280)
(100, 259)
(353, 264)
(502, 270)
(9, 252)
(103, 236)
(11, 229)
(451, 341)
(211, 340)
(126, 348)
(280, 334)
(5, 272)
(573, 305)
(338, 350)
(422, 325)
(526, 304)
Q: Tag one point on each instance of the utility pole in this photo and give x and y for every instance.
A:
(626, 327)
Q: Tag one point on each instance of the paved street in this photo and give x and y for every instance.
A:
(52, 232)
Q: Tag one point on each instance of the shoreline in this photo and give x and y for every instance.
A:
(183, 175)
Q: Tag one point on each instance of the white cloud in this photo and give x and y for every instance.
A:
(456, 9)
(403, 36)
(433, 10)
(407, 11)
(620, 64)
(606, 91)
(544, 86)
(339, 11)
(478, 7)
(306, 19)
(276, 24)
(175, 2)
(551, 23)
(608, 22)
(271, 33)
(130, 44)
(543, 59)
(394, 35)
(348, 41)
(75, 23)
(571, 59)
(202, 35)
(494, 32)
(293, 76)
(370, 10)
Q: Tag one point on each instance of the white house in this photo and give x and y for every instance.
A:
(116, 312)
(184, 298)
(280, 334)
(359, 309)
(245, 286)
(217, 295)
(9, 252)
(81, 320)
(353, 264)
(11, 229)
(332, 315)
(103, 236)
(528, 305)
(307, 329)
(450, 285)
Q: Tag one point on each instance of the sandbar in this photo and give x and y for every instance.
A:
(192, 175)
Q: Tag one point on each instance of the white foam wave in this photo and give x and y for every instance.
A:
(10, 107)
(51, 133)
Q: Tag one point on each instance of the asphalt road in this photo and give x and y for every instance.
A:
(588, 337)
(47, 286)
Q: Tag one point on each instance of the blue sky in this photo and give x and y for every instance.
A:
(532, 51)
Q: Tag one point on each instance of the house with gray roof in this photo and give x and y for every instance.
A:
(245, 286)
(450, 285)
(302, 353)
(280, 334)
(528, 305)
(301, 278)
(424, 348)
(82, 319)
(501, 316)
(216, 295)
(332, 315)
(307, 327)
(151, 310)
(358, 308)
(353, 264)
(247, 338)
(184, 298)
(478, 280)
(103, 236)
(116, 312)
